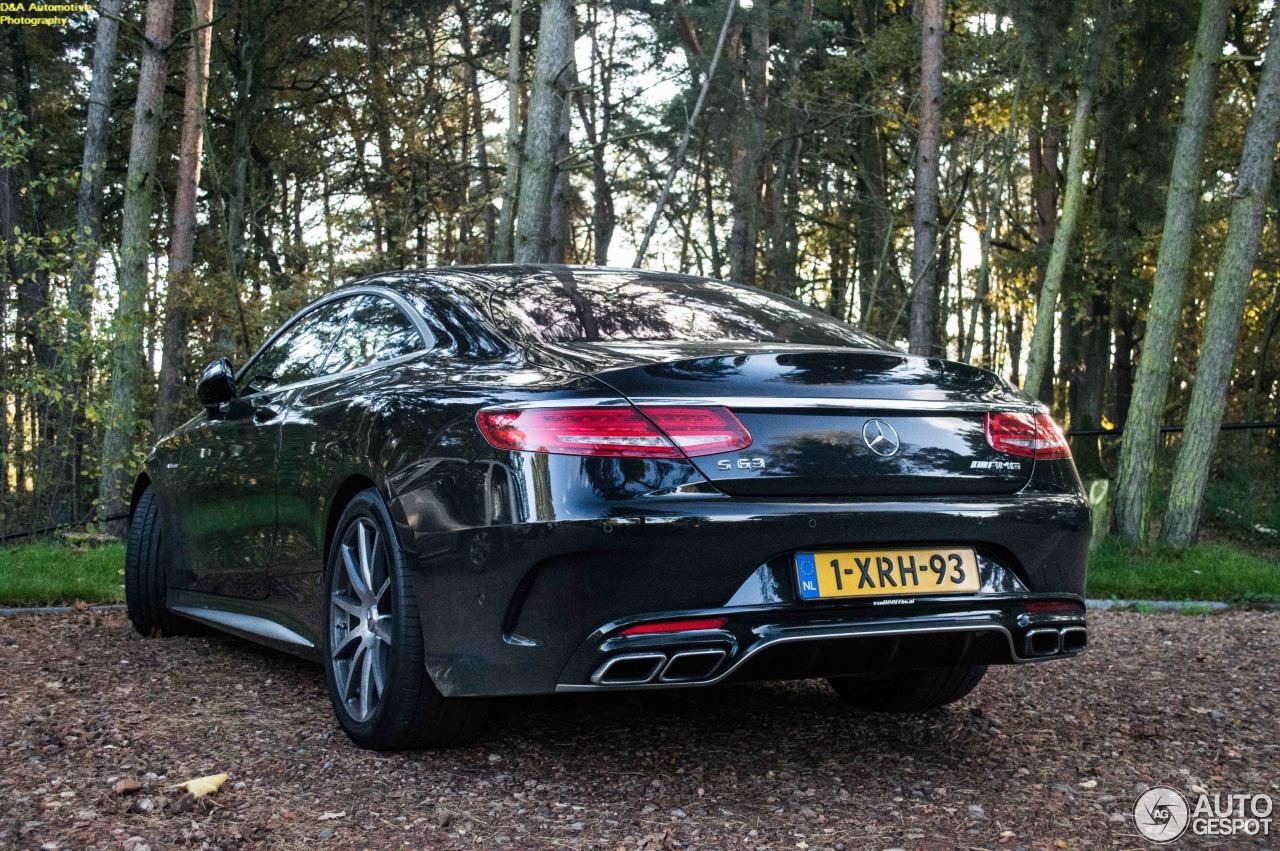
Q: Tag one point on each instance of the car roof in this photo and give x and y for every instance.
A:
(492, 276)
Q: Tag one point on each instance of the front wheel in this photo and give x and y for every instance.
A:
(373, 654)
(146, 557)
(909, 691)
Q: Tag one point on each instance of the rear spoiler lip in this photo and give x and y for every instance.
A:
(748, 403)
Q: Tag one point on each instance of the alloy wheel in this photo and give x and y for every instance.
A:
(360, 619)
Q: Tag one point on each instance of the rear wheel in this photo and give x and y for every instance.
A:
(146, 557)
(909, 691)
(373, 654)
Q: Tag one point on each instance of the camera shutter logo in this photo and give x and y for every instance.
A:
(1161, 814)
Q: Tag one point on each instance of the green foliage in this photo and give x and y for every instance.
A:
(1201, 572)
(47, 573)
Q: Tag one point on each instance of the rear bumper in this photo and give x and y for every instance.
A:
(763, 646)
(529, 607)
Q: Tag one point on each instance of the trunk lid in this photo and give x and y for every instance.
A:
(826, 421)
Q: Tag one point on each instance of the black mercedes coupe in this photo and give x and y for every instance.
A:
(453, 484)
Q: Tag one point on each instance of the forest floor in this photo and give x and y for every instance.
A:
(1039, 756)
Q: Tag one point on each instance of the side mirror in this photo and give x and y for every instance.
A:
(217, 385)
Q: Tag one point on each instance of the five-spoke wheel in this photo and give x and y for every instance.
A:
(360, 619)
(374, 657)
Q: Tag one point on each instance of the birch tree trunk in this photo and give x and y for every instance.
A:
(1131, 500)
(923, 335)
(1042, 334)
(173, 358)
(1226, 304)
(126, 364)
(552, 71)
(502, 249)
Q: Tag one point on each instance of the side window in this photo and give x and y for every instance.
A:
(299, 352)
(378, 330)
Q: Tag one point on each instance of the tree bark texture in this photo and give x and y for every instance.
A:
(126, 363)
(748, 151)
(1131, 500)
(923, 335)
(552, 71)
(1226, 305)
(178, 299)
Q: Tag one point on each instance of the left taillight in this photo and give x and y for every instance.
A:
(622, 432)
(1027, 435)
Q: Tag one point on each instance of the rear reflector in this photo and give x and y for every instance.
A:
(675, 626)
(1037, 606)
(622, 432)
(1027, 435)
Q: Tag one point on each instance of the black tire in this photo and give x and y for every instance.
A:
(145, 558)
(909, 691)
(409, 712)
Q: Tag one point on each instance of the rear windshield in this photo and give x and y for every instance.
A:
(625, 307)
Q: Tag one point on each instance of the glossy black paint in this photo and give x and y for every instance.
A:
(526, 565)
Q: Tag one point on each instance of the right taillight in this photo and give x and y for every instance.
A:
(1027, 435)
(615, 432)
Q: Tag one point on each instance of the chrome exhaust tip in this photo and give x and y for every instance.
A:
(1043, 642)
(629, 669)
(1074, 639)
(692, 665)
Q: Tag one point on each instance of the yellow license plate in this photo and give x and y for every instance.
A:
(882, 573)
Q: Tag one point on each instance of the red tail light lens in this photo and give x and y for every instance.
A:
(615, 432)
(1027, 435)
(675, 626)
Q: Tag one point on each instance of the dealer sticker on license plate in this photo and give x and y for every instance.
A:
(880, 573)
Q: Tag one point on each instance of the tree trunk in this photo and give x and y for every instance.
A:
(603, 217)
(552, 71)
(393, 218)
(502, 249)
(1226, 304)
(178, 297)
(93, 174)
(1040, 356)
(748, 151)
(121, 427)
(1131, 498)
(558, 216)
(923, 337)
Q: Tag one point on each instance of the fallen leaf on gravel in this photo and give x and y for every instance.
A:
(201, 786)
(1089, 784)
(127, 786)
(332, 816)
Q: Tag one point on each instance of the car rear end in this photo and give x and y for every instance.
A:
(757, 510)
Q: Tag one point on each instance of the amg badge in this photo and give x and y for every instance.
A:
(995, 465)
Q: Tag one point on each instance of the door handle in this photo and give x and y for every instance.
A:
(263, 413)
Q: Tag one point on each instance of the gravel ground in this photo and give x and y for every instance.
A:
(1040, 756)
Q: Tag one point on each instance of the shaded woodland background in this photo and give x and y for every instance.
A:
(1076, 195)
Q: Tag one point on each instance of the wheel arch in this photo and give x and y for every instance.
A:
(347, 490)
(140, 485)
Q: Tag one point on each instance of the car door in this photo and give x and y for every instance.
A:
(229, 513)
(321, 425)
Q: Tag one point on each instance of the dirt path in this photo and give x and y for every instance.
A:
(1040, 756)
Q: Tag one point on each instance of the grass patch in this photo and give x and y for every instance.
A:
(1212, 571)
(48, 573)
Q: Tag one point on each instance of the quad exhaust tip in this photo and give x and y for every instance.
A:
(1053, 641)
(685, 666)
